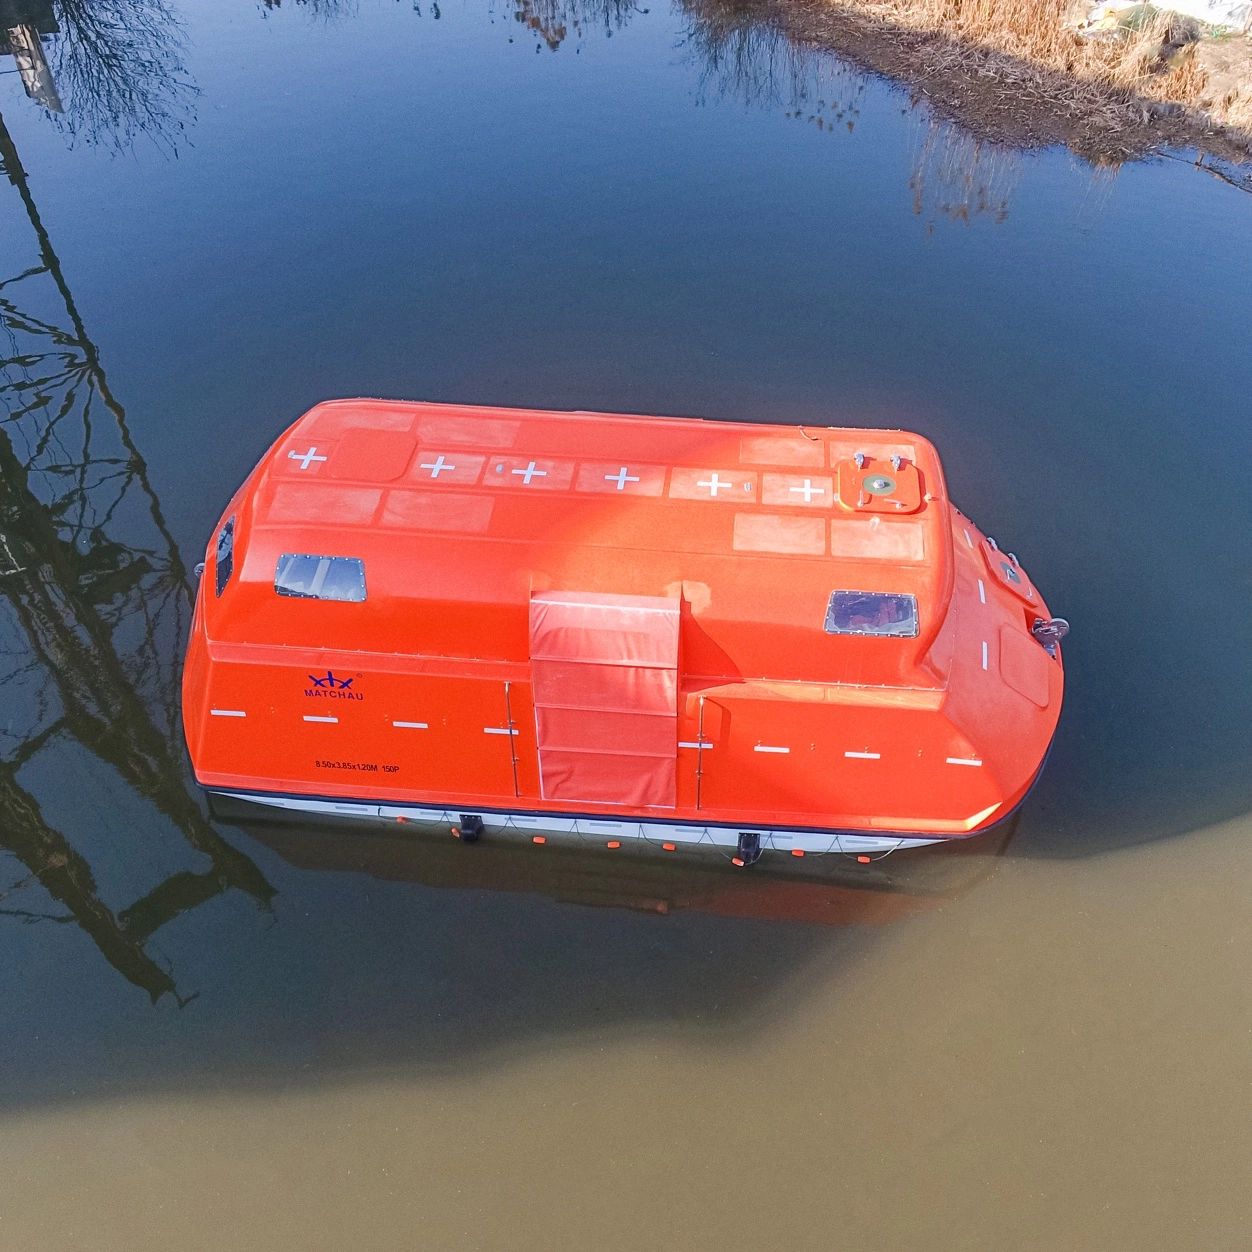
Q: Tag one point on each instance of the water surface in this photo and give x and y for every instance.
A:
(217, 1036)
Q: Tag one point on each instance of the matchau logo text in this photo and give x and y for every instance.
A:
(331, 687)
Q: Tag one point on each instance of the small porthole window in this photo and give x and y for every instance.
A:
(224, 562)
(320, 577)
(871, 613)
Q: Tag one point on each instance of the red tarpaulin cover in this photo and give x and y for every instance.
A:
(605, 673)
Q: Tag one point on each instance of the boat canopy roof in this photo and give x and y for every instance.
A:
(815, 555)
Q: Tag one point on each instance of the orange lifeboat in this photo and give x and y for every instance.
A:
(609, 628)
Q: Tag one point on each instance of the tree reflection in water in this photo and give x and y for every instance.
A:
(744, 53)
(958, 177)
(552, 20)
(326, 10)
(94, 605)
(109, 70)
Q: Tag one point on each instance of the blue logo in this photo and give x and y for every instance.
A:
(329, 687)
(330, 680)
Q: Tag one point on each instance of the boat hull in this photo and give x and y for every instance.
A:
(586, 830)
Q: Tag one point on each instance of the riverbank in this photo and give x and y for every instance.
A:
(1019, 73)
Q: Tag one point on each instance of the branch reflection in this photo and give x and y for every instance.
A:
(95, 604)
(107, 70)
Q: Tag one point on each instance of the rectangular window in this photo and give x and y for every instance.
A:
(320, 577)
(871, 613)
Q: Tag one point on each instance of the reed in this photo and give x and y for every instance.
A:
(1013, 40)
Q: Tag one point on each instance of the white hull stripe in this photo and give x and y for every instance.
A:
(228, 713)
(761, 747)
(309, 717)
(410, 725)
(960, 760)
(498, 730)
(596, 828)
(864, 756)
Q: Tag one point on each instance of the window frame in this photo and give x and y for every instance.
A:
(355, 563)
(900, 596)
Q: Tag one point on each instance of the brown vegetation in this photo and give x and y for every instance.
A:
(1015, 71)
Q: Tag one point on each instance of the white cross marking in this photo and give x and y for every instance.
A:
(305, 457)
(437, 466)
(810, 491)
(531, 472)
(621, 478)
(714, 484)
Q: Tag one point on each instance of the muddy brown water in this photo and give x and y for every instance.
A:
(221, 1035)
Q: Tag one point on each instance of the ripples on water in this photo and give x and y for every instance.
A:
(1078, 357)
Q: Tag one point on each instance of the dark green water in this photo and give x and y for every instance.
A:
(212, 1036)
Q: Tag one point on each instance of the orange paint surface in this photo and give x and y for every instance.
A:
(498, 660)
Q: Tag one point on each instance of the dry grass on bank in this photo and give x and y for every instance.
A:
(1015, 71)
(1036, 33)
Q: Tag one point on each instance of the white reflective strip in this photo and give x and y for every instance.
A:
(868, 843)
(416, 814)
(498, 730)
(308, 717)
(984, 654)
(982, 592)
(677, 834)
(865, 756)
(337, 808)
(960, 760)
(682, 743)
(761, 747)
(410, 725)
(228, 713)
(968, 540)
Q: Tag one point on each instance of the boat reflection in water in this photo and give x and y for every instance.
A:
(827, 890)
